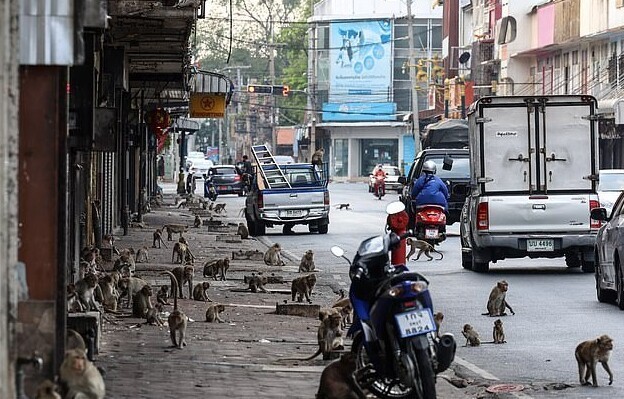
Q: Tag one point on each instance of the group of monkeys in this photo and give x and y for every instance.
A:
(588, 353)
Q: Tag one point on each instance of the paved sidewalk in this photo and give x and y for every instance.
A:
(238, 358)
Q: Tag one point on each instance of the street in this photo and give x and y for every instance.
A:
(556, 307)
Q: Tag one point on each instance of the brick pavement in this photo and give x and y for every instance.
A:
(238, 358)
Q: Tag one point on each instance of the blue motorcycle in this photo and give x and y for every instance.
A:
(398, 352)
(210, 191)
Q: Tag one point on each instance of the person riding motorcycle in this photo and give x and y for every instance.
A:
(429, 189)
(380, 178)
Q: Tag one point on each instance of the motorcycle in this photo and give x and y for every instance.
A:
(430, 224)
(210, 191)
(394, 335)
(379, 187)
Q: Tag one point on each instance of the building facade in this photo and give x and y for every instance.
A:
(359, 81)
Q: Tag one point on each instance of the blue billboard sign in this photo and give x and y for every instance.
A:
(360, 61)
(351, 112)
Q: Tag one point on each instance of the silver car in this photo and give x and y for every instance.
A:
(610, 186)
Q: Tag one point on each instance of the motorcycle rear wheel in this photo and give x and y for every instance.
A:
(391, 388)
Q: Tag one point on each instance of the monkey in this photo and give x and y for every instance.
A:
(142, 255)
(110, 240)
(182, 240)
(88, 263)
(423, 247)
(588, 353)
(326, 312)
(85, 289)
(158, 239)
(47, 390)
(317, 157)
(498, 334)
(142, 302)
(343, 206)
(74, 340)
(472, 336)
(130, 286)
(73, 302)
(272, 256)
(344, 308)
(177, 319)
(336, 382)
(302, 286)
(162, 296)
(174, 228)
(218, 208)
(497, 303)
(329, 337)
(437, 319)
(221, 267)
(109, 293)
(257, 282)
(213, 313)
(184, 254)
(210, 268)
(243, 231)
(200, 292)
(183, 274)
(198, 221)
(82, 378)
(125, 261)
(152, 316)
(307, 262)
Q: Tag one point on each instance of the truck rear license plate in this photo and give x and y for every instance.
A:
(292, 213)
(540, 245)
(431, 233)
(415, 322)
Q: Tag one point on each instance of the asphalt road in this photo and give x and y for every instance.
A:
(556, 307)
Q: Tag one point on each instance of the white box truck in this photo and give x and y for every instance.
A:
(534, 174)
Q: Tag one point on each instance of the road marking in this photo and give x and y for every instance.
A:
(475, 369)
(291, 369)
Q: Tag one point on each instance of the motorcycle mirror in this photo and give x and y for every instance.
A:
(395, 207)
(337, 251)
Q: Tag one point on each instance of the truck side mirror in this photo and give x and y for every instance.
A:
(599, 214)
(447, 163)
(402, 180)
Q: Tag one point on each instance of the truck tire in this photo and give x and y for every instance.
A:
(588, 266)
(467, 260)
(323, 228)
(479, 267)
(260, 228)
(572, 260)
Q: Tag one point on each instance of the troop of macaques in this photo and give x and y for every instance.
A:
(302, 286)
(47, 390)
(82, 378)
(589, 353)
(142, 302)
(200, 292)
(177, 319)
(174, 228)
(272, 257)
(142, 255)
(242, 231)
(498, 333)
(336, 380)
(213, 313)
(183, 275)
(497, 303)
(307, 262)
(158, 239)
(472, 336)
(423, 247)
(198, 221)
(162, 296)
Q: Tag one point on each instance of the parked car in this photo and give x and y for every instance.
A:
(609, 253)
(610, 186)
(199, 168)
(392, 178)
(226, 180)
(193, 156)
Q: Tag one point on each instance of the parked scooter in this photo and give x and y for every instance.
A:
(210, 191)
(397, 351)
(430, 224)
(380, 187)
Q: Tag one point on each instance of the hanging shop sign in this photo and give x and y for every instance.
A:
(207, 105)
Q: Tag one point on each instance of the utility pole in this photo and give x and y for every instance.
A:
(312, 93)
(272, 102)
(412, 73)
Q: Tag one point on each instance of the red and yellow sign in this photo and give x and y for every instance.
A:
(207, 105)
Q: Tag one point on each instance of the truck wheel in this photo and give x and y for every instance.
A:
(323, 228)
(479, 267)
(572, 260)
(588, 266)
(467, 260)
(260, 228)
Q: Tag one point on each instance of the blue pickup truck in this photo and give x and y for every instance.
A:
(305, 200)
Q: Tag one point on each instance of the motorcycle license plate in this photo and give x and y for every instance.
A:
(431, 233)
(415, 322)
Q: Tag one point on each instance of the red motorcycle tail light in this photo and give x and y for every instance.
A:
(483, 221)
(594, 224)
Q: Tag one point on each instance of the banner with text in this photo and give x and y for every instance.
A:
(352, 112)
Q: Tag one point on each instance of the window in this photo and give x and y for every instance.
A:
(575, 58)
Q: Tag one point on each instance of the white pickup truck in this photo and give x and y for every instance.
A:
(534, 174)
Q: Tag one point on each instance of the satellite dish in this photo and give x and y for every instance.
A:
(464, 57)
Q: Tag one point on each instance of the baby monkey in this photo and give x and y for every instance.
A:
(162, 296)
(498, 334)
(589, 353)
(153, 316)
(472, 336)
